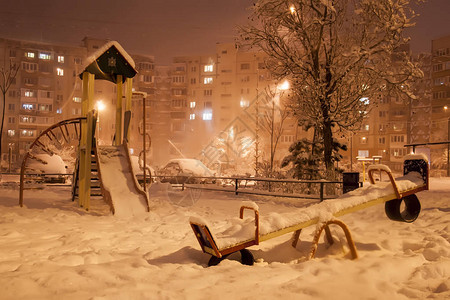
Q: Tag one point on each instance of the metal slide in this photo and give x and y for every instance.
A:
(119, 185)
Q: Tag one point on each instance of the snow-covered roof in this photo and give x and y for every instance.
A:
(105, 65)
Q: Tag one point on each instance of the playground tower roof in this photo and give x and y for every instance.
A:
(109, 61)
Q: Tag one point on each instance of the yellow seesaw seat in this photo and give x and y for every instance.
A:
(237, 234)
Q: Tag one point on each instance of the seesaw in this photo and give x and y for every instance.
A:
(240, 233)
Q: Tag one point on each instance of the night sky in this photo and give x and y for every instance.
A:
(163, 28)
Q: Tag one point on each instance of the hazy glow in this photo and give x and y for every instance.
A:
(244, 103)
(207, 116)
(292, 9)
(284, 86)
(100, 105)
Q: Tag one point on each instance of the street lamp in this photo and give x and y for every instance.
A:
(144, 150)
(100, 105)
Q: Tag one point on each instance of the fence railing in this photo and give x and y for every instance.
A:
(45, 177)
(257, 186)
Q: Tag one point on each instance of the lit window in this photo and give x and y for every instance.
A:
(207, 116)
(29, 93)
(192, 104)
(77, 99)
(27, 119)
(29, 54)
(207, 80)
(244, 103)
(59, 111)
(364, 100)
(11, 132)
(45, 55)
(192, 117)
(363, 153)
(60, 59)
(208, 68)
(28, 106)
(27, 133)
(59, 72)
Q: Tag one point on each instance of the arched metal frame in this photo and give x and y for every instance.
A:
(62, 125)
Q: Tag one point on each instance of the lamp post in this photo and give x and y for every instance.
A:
(144, 133)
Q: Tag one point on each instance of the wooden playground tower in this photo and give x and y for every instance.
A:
(113, 64)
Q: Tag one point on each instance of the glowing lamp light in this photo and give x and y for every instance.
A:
(292, 9)
(100, 105)
(284, 86)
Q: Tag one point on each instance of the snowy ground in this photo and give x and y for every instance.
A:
(54, 250)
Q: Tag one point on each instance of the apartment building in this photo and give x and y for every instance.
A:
(440, 80)
(214, 100)
(395, 120)
(210, 107)
(44, 91)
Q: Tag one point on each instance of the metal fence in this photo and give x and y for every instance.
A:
(311, 189)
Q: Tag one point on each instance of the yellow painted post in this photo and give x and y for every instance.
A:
(82, 150)
(119, 83)
(129, 94)
(84, 187)
(364, 171)
(89, 139)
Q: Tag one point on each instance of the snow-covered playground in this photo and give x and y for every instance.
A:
(52, 249)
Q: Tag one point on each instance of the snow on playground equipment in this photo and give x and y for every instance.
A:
(243, 233)
(41, 144)
(118, 184)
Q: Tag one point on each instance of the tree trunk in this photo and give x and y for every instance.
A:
(328, 156)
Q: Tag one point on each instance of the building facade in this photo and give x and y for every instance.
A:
(211, 107)
(44, 91)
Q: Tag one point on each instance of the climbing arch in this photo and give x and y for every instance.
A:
(64, 134)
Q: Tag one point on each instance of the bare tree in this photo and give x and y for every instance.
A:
(7, 77)
(273, 117)
(338, 55)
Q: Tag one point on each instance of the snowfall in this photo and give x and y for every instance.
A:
(53, 249)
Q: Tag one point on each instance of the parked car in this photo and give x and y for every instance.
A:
(44, 164)
(185, 170)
